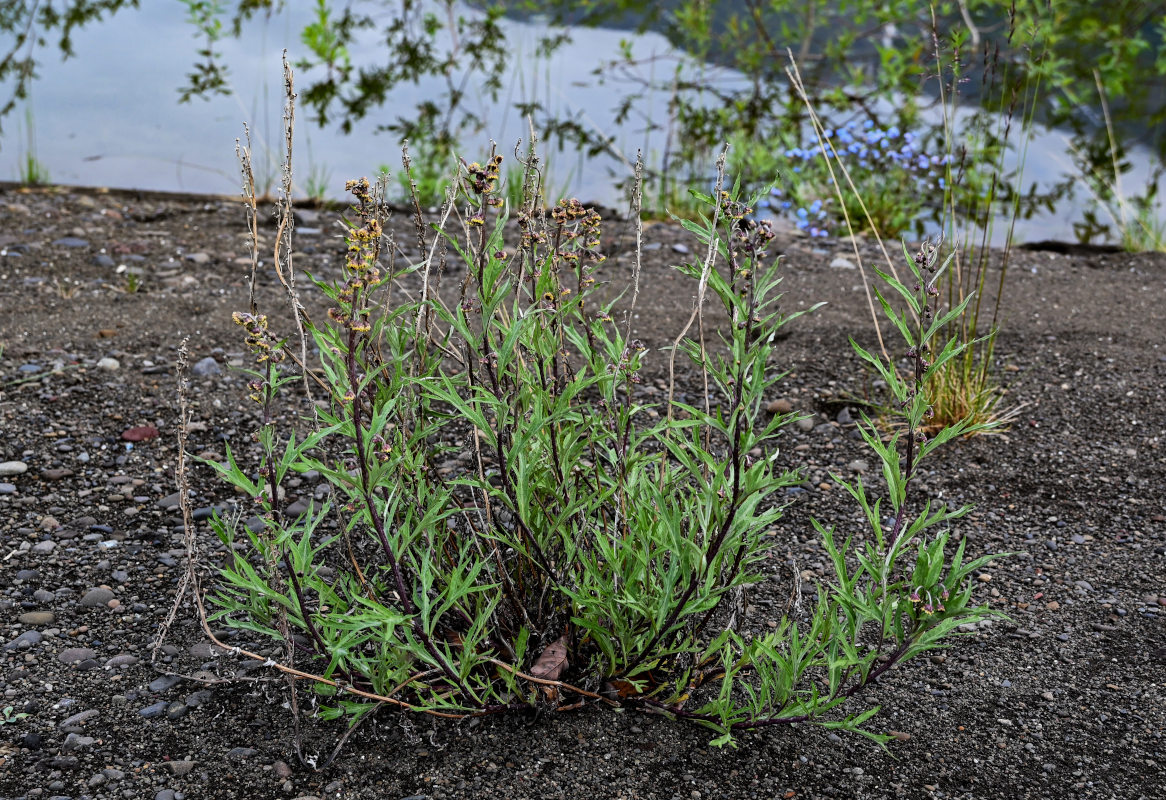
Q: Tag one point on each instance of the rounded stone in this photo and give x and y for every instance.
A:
(205, 367)
(12, 468)
(96, 597)
(780, 406)
(73, 655)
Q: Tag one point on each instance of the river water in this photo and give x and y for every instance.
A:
(110, 116)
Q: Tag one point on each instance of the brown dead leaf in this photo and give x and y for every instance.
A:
(551, 661)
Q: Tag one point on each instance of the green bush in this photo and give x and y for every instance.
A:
(511, 526)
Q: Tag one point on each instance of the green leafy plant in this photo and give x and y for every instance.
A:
(33, 172)
(512, 525)
(9, 718)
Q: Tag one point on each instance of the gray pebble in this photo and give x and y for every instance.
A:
(164, 683)
(96, 597)
(75, 741)
(176, 710)
(153, 710)
(7, 488)
(205, 367)
(180, 768)
(857, 465)
(805, 424)
(108, 364)
(196, 699)
(24, 641)
(35, 618)
(8, 468)
(122, 660)
(241, 753)
(681, 248)
(71, 241)
(842, 263)
(72, 655)
(47, 546)
(41, 596)
(102, 260)
(78, 720)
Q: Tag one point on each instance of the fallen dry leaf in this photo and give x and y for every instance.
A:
(551, 661)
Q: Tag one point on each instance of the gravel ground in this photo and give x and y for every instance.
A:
(1064, 701)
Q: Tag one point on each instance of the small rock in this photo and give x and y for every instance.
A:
(165, 794)
(122, 660)
(780, 406)
(103, 260)
(47, 546)
(206, 367)
(681, 248)
(281, 770)
(306, 216)
(12, 468)
(96, 597)
(842, 263)
(164, 683)
(180, 768)
(176, 710)
(49, 523)
(72, 655)
(24, 641)
(198, 258)
(35, 618)
(78, 720)
(140, 433)
(75, 741)
(71, 241)
(108, 364)
(844, 417)
(857, 465)
(805, 424)
(7, 488)
(241, 753)
(153, 710)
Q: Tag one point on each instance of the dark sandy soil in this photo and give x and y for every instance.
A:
(1065, 701)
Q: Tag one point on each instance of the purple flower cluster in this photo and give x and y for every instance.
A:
(880, 160)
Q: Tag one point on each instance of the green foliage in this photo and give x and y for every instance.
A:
(33, 172)
(9, 718)
(511, 524)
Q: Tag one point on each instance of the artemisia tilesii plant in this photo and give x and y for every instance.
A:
(586, 546)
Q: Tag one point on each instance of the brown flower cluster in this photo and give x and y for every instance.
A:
(259, 340)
